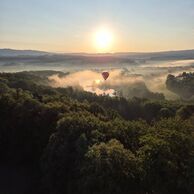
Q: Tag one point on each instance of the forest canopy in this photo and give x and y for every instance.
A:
(67, 140)
(183, 85)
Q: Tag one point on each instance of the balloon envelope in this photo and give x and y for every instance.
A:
(105, 75)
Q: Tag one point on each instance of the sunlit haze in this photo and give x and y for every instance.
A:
(103, 40)
(69, 26)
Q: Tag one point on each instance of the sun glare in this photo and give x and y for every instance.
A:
(103, 40)
(97, 81)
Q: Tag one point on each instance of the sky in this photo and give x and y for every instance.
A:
(71, 25)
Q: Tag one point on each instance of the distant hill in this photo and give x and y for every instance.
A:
(86, 58)
(178, 53)
(14, 53)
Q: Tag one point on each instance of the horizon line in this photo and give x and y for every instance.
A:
(96, 53)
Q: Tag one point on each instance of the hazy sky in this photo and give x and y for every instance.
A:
(70, 25)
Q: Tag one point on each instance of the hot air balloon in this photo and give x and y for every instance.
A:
(105, 75)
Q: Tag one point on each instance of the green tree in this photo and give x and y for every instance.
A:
(168, 157)
(110, 168)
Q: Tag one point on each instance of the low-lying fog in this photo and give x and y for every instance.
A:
(122, 76)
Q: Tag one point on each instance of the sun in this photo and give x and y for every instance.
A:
(103, 39)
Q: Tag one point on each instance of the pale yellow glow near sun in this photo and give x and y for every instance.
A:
(103, 40)
(97, 81)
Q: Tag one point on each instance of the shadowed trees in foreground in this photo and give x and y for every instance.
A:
(68, 141)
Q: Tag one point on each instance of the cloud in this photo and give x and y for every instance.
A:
(152, 76)
(93, 81)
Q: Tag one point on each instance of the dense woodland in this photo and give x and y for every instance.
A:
(67, 141)
(183, 85)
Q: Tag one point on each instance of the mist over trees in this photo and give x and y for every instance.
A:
(183, 85)
(65, 140)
